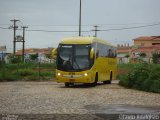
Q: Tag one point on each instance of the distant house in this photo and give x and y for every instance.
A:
(2, 56)
(145, 44)
(5, 57)
(147, 41)
(43, 54)
(123, 53)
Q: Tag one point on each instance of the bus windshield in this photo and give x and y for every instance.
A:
(73, 57)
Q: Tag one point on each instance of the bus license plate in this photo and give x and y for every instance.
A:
(71, 73)
(71, 80)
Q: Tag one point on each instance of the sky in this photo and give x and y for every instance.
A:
(60, 18)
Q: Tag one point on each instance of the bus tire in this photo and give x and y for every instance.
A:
(105, 82)
(67, 84)
(108, 81)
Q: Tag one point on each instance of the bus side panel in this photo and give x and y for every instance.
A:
(104, 67)
(112, 62)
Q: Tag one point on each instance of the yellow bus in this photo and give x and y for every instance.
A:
(85, 60)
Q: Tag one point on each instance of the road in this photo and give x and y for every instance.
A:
(41, 98)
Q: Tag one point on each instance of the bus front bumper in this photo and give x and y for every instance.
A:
(73, 77)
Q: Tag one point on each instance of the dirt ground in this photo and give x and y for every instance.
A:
(53, 100)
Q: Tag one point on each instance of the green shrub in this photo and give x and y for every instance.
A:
(123, 81)
(143, 77)
(34, 56)
(156, 58)
(155, 72)
(155, 86)
(146, 85)
(14, 59)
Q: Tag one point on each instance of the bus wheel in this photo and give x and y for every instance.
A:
(108, 81)
(66, 84)
(105, 82)
(95, 81)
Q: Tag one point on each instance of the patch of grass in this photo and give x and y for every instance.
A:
(44, 65)
(8, 77)
(27, 71)
(126, 66)
(123, 69)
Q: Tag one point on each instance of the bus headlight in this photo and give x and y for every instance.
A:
(59, 74)
(85, 74)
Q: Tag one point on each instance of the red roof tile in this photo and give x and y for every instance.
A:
(35, 50)
(147, 49)
(123, 51)
(148, 38)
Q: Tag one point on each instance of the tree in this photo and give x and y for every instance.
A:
(127, 55)
(48, 56)
(14, 59)
(34, 56)
(142, 55)
(156, 58)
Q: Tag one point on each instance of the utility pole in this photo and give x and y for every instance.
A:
(80, 19)
(24, 27)
(95, 30)
(14, 36)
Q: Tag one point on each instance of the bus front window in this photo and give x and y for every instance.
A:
(81, 56)
(73, 57)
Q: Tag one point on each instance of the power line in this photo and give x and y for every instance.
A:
(142, 26)
(40, 30)
(5, 24)
(3, 28)
(57, 31)
(131, 27)
(72, 25)
(113, 29)
(117, 24)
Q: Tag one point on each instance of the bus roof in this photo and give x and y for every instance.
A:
(83, 40)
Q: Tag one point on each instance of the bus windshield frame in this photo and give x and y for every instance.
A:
(73, 57)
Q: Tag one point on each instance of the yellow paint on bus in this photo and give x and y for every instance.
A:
(77, 51)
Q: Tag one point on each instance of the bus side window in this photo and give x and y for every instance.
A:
(106, 51)
(115, 53)
(109, 53)
(97, 54)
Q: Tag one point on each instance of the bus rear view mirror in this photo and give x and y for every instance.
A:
(54, 52)
(92, 53)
